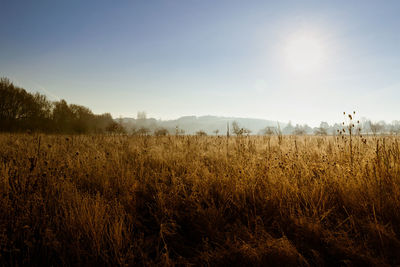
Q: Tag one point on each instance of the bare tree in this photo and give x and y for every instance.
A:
(376, 127)
(238, 131)
(322, 129)
(299, 130)
(395, 127)
(268, 131)
(179, 131)
(201, 133)
(161, 132)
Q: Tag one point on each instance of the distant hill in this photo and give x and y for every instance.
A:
(192, 124)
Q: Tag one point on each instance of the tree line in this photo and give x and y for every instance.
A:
(21, 111)
(363, 126)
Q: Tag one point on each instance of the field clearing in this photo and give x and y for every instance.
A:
(181, 200)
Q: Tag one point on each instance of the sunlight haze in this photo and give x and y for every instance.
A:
(299, 61)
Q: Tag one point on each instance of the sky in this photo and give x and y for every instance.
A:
(299, 61)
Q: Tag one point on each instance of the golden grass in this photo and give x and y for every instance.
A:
(119, 200)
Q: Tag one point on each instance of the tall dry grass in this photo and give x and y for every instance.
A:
(193, 200)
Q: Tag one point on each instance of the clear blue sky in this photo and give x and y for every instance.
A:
(190, 57)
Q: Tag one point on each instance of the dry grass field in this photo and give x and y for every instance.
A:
(189, 200)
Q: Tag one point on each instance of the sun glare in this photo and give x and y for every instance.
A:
(304, 54)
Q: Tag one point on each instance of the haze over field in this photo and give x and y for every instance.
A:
(199, 133)
(304, 61)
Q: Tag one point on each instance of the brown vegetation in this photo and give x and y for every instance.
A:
(118, 200)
